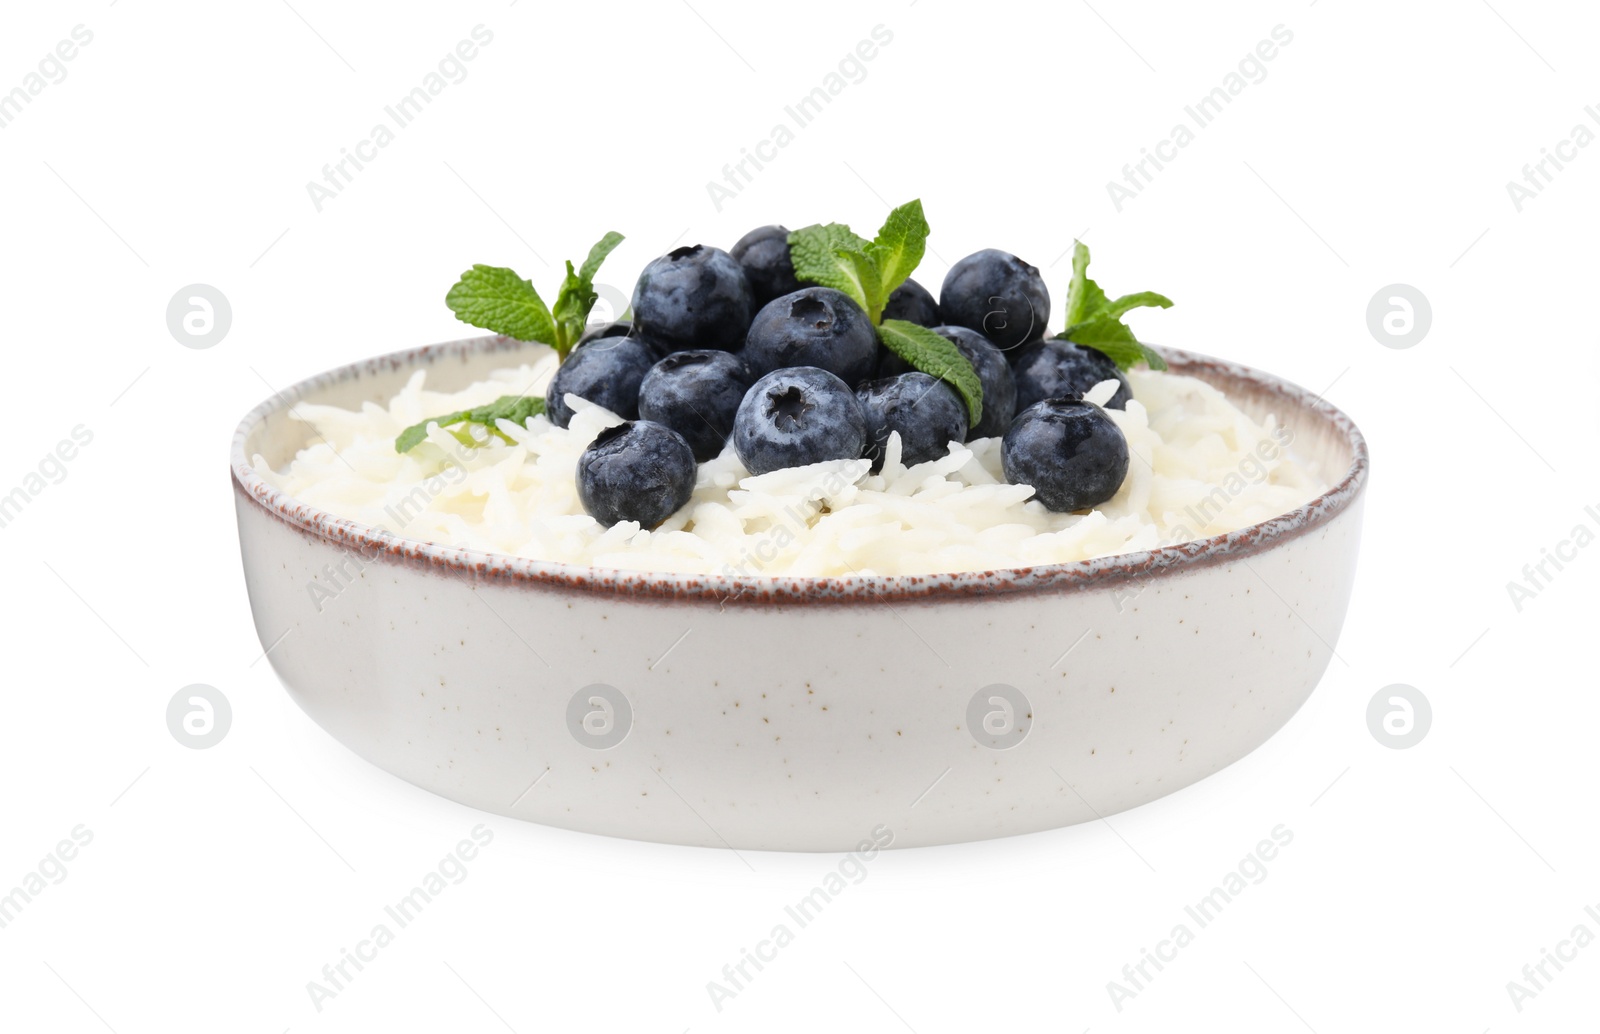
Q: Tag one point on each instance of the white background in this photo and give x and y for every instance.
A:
(1376, 151)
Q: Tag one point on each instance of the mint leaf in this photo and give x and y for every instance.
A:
(1135, 301)
(868, 271)
(597, 254)
(1107, 334)
(844, 237)
(898, 248)
(1096, 321)
(936, 356)
(571, 310)
(518, 409)
(497, 299)
(869, 281)
(815, 251)
(1152, 358)
(1084, 297)
(577, 294)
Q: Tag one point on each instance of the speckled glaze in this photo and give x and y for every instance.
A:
(796, 713)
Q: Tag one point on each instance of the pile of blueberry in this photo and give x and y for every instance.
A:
(731, 346)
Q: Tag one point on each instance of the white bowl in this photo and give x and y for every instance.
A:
(795, 713)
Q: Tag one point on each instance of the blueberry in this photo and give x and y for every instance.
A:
(912, 302)
(994, 373)
(693, 297)
(607, 372)
(814, 326)
(998, 295)
(925, 410)
(637, 471)
(616, 328)
(1070, 451)
(890, 365)
(795, 417)
(764, 254)
(1060, 369)
(696, 393)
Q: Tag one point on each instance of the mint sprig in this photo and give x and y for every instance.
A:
(937, 356)
(821, 254)
(868, 271)
(518, 409)
(832, 255)
(1096, 320)
(497, 299)
(897, 250)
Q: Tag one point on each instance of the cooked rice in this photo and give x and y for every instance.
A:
(1199, 467)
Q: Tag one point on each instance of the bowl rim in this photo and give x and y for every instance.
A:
(737, 588)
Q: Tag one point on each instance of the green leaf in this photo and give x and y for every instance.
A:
(844, 237)
(1084, 297)
(936, 356)
(1108, 335)
(899, 246)
(815, 251)
(518, 409)
(597, 254)
(1096, 321)
(868, 271)
(577, 294)
(869, 281)
(1129, 302)
(497, 299)
(571, 311)
(416, 434)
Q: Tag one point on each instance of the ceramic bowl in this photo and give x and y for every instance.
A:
(795, 713)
